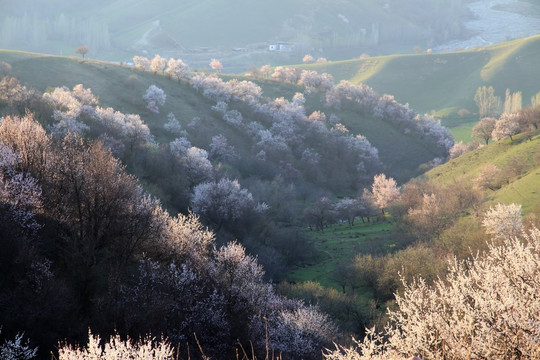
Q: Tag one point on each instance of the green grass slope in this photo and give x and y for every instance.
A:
(122, 87)
(445, 83)
(519, 160)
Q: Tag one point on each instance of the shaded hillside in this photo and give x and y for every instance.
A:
(253, 167)
(445, 83)
(122, 88)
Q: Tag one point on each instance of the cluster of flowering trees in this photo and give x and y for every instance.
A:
(381, 107)
(174, 68)
(282, 129)
(500, 121)
(111, 254)
(282, 132)
(77, 111)
(308, 78)
(507, 125)
(514, 120)
(386, 108)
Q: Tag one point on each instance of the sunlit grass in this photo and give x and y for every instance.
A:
(443, 83)
(339, 244)
(499, 55)
(524, 191)
(463, 132)
(523, 188)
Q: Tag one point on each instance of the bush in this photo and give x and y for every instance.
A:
(485, 307)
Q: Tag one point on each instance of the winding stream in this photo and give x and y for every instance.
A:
(492, 25)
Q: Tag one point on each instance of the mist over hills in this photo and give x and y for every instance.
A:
(198, 30)
(287, 208)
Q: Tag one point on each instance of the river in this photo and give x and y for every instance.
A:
(493, 23)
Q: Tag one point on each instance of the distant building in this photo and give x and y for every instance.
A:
(282, 47)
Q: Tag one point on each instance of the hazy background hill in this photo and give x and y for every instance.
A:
(197, 30)
(441, 84)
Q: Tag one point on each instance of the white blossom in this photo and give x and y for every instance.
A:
(484, 308)
(154, 96)
(224, 199)
(503, 220)
(173, 126)
(384, 190)
(147, 349)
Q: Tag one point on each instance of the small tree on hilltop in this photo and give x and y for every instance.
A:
(265, 71)
(177, 69)
(141, 63)
(158, 64)
(308, 59)
(83, 50)
(216, 65)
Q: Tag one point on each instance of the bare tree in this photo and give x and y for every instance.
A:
(488, 104)
(319, 213)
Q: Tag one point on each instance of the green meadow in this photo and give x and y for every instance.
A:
(443, 83)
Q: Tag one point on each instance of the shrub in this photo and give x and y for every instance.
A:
(115, 348)
(485, 307)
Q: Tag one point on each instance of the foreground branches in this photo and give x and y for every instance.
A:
(485, 308)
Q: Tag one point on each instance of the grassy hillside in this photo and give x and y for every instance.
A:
(445, 83)
(122, 87)
(519, 160)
